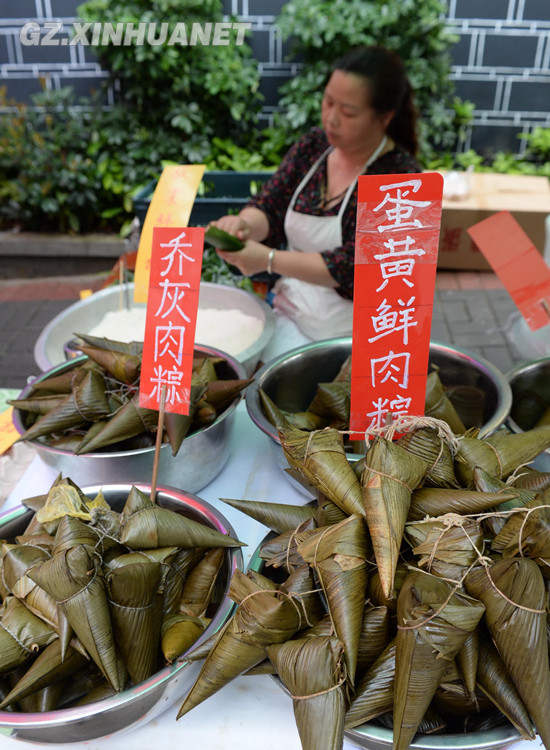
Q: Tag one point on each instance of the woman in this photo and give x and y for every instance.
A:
(310, 203)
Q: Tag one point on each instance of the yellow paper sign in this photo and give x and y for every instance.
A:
(8, 433)
(170, 206)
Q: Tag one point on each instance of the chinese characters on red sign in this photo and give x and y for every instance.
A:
(172, 304)
(397, 240)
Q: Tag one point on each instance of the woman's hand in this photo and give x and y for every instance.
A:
(250, 224)
(235, 225)
(250, 260)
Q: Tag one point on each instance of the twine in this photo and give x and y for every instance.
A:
(405, 423)
(81, 590)
(295, 532)
(321, 535)
(449, 520)
(142, 608)
(122, 392)
(74, 373)
(317, 578)
(527, 512)
(503, 595)
(441, 608)
(313, 591)
(503, 514)
(82, 414)
(289, 566)
(389, 476)
(308, 444)
(513, 476)
(300, 596)
(99, 531)
(321, 692)
(284, 593)
(492, 447)
(402, 424)
(292, 594)
(484, 561)
(101, 536)
(439, 455)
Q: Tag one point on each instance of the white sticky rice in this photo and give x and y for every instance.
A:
(231, 330)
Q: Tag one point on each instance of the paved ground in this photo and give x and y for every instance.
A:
(26, 306)
(471, 310)
(474, 311)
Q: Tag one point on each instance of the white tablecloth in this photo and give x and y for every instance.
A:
(251, 712)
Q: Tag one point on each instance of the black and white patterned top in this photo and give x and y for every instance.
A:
(277, 192)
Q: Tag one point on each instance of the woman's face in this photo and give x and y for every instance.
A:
(348, 120)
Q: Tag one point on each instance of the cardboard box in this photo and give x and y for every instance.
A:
(526, 197)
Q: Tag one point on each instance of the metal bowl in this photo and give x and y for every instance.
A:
(53, 344)
(201, 457)
(291, 381)
(529, 344)
(373, 737)
(139, 704)
(530, 384)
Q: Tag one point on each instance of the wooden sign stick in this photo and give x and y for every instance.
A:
(158, 444)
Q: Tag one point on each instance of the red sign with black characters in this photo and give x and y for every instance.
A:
(397, 241)
(172, 305)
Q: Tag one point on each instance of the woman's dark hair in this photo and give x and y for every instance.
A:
(389, 89)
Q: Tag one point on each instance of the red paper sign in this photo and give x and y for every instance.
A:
(397, 240)
(517, 263)
(172, 303)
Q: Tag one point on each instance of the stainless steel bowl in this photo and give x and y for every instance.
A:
(201, 457)
(291, 381)
(139, 704)
(530, 384)
(373, 737)
(377, 738)
(81, 317)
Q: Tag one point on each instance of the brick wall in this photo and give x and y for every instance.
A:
(22, 67)
(501, 62)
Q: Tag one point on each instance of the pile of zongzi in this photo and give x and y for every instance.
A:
(462, 407)
(94, 406)
(413, 593)
(95, 600)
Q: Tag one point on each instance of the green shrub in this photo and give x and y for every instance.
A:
(181, 95)
(538, 145)
(48, 181)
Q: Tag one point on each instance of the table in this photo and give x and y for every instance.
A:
(251, 712)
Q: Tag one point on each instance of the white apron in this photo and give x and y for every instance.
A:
(306, 312)
(318, 311)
